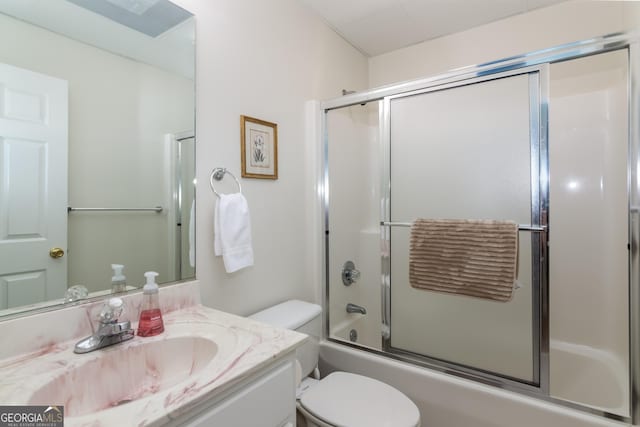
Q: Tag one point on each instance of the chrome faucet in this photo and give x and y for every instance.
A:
(350, 274)
(110, 330)
(353, 308)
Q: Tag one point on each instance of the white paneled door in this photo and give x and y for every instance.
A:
(33, 186)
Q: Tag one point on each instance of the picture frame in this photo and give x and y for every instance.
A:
(258, 148)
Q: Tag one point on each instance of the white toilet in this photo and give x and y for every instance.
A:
(340, 399)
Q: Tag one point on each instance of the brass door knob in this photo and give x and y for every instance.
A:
(56, 252)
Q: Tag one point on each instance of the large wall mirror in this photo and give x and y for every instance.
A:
(97, 147)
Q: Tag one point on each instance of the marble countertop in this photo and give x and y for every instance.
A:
(90, 386)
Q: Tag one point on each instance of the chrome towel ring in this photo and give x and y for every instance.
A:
(218, 174)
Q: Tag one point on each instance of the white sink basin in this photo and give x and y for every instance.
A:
(151, 381)
(126, 372)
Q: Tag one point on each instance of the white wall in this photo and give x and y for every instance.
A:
(563, 23)
(264, 59)
(119, 112)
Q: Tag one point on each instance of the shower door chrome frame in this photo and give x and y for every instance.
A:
(633, 174)
(538, 120)
(597, 45)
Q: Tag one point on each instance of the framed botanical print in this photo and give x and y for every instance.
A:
(258, 148)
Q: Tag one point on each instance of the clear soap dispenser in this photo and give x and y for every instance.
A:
(118, 281)
(150, 323)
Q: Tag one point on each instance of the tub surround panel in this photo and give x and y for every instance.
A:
(45, 371)
(588, 215)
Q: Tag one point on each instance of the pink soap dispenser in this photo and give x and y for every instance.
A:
(150, 323)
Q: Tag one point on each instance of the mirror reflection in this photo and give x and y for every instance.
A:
(96, 147)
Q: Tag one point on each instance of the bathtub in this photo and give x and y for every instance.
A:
(357, 329)
(591, 376)
(448, 401)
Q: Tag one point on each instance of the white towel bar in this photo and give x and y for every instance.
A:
(154, 209)
(521, 227)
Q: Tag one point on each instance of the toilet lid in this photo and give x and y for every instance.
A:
(349, 400)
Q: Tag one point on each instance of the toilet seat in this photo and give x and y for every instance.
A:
(351, 400)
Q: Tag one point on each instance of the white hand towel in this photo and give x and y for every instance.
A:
(232, 232)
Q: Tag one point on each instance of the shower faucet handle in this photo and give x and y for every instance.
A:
(350, 274)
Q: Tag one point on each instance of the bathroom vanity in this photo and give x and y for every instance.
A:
(265, 398)
(207, 368)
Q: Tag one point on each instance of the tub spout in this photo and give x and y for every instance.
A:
(353, 308)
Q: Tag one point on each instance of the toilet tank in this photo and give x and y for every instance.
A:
(299, 316)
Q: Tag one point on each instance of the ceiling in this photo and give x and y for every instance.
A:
(172, 50)
(378, 26)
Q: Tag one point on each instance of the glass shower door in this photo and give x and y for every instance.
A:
(469, 151)
(549, 146)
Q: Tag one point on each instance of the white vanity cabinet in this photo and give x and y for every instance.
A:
(264, 399)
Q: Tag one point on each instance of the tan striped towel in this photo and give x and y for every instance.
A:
(467, 257)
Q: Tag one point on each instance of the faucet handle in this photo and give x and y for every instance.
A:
(112, 310)
(350, 274)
